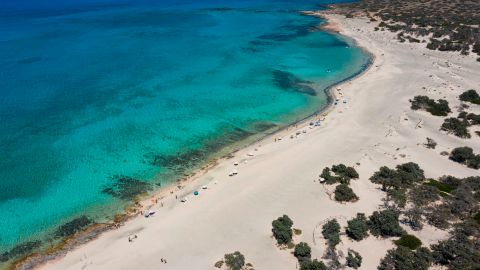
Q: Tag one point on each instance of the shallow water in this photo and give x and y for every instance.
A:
(98, 94)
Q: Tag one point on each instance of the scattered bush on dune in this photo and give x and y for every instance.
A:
(282, 229)
(341, 174)
(405, 175)
(439, 108)
(402, 258)
(423, 195)
(456, 126)
(465, 155)
(461, 250)
(470, 96)
(344, 193)
(330, 232)
(354, 260)
(385, 223)
(302, 252)
(357, 227)
(313, 265)
(235, 261)
(409, 241)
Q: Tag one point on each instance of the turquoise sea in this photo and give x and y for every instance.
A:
(101, 100)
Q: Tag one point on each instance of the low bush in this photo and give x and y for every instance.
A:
(409, 241)
(344, 193)
(313, 265)
(440, 186)
(470, 96)
(234, 261)
(456, 126)
(354, 260)
(330, 232)
(385, 223)
(403, 258)
(342, 174)
(357, 228)
(302, 252)
(282, 229)
(466, 156)
(439, 108)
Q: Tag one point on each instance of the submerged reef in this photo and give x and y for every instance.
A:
(288, 81)
(73, 226)
(127, 188)
(19, 250)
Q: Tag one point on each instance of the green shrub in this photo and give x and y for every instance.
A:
(302, 252)
(385, 223)
(403, 258)
(460, 251)
(461, 154)
(423, 195)
(413, 218)
(386, 177)
(405, 175)
(409, 241)
(357, 228)
(354, 259)
(439, 108)
(343, 174)
(466, 156)
(234, 261)
(439, 185)
(330, 232)
(456, 126)
(470, 96)
(282, 229)
(313, 265)
(344, 193)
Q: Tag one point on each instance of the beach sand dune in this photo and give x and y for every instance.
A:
(375, 128)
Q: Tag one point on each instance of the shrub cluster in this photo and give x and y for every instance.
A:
(343, 193)
(357, 227)
(234, 261)
(409, 241)
(439, 108)
(385, 223)
(330, 231)
(402, 258)
(354, 260)
(471, 95)
(342, 174)
(461, 250)
(282, 229)
(313, 265)
(302, 252)
(448, 25)
(465, 155)
(459, 127)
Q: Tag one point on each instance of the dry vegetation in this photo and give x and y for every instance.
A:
(444, 25)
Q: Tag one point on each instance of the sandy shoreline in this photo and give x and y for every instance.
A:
(275, 178)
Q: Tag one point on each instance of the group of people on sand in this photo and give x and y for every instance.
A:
(163, 260)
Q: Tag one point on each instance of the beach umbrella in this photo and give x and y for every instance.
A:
(195, 193)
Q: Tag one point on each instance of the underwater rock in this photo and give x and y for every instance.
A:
(20, 249)
(288, 81)
(127, 188)
(73, 226)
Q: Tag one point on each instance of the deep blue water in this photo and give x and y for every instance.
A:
(96, 91)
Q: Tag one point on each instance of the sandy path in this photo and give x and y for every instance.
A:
(375, 128)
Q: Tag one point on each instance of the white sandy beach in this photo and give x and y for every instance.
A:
(374, 128)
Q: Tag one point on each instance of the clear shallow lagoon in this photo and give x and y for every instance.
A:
(93, 92)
